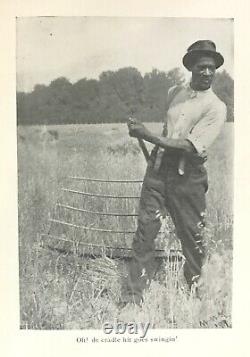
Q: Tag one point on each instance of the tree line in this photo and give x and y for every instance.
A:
(112, 98)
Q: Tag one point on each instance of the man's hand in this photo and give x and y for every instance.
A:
(137, 129)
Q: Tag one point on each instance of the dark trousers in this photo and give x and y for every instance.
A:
(183, 197)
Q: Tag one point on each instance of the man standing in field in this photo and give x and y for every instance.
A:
(176, 180)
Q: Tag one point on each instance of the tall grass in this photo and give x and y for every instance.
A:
(58, 290)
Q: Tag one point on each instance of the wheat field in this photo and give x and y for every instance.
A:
(66, 291)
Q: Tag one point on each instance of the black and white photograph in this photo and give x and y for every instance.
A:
(125, 157)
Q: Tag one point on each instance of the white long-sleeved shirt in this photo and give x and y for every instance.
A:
(195, 115)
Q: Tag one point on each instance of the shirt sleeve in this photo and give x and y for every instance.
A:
(208, 128)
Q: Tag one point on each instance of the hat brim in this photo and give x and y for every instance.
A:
(190, 58)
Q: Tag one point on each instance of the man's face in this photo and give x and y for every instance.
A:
(203, 73)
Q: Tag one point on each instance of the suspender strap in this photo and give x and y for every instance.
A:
(160, 151)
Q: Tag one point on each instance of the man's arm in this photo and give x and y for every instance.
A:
(165, 143)
(138, 130)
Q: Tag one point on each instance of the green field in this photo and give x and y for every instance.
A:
(55, 290)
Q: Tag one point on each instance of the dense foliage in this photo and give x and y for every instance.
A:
(111, 98)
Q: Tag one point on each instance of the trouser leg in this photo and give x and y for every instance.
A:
(186, 204)
(143, 265)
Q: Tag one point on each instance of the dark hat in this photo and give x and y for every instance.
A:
(202, 48)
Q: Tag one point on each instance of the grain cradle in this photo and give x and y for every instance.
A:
(97, 217)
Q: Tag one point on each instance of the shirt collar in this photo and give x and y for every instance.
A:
(194, 93)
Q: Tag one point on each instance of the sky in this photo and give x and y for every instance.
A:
(78, 47)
